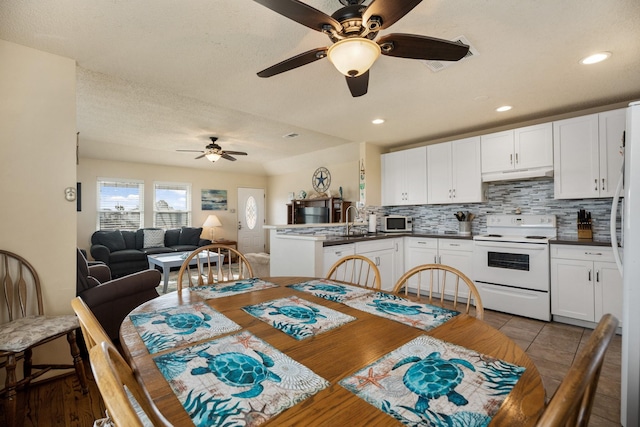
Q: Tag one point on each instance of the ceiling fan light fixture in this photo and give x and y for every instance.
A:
(212, 157)
(353, 56)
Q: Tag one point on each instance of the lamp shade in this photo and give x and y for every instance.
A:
(354, 56)
(212, 156)
(212, 221)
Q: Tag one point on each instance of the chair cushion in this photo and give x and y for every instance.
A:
(153, 238)
(111, 239)
(23, 333)
(190, 236)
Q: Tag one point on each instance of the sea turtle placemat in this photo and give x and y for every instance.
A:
(418, 315)
(171, 327)
(298, 317)
(232, 288)
(331, 290)
(236, 380)
(434, 383)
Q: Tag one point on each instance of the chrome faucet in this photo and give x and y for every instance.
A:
(346, 217)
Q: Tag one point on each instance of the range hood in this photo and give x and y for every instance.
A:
(518, 174)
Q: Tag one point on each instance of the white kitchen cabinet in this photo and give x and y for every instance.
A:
(457, 253)
(331, 255)
(404, 177)
(454, 172)
(529, 147)
(383, 253)
(587, 158)
(585, 283)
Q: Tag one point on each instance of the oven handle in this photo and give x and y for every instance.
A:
(512, 245)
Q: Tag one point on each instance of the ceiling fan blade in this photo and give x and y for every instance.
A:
(421, 47)
(228, 157)
(236, 153)
(389, 11)
(301, 13)
(358, 85)
(294, 62)
(200, 156)
(191, 151)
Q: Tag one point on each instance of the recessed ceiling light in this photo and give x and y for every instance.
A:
(595, 58)
(504, 108)
(377, 121)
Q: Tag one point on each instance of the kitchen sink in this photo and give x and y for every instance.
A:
(357, 236)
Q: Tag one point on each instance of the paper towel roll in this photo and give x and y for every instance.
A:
(372, 223)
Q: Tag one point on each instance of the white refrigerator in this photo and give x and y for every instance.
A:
(630, 398)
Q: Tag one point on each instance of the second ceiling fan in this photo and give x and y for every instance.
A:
(352, 29)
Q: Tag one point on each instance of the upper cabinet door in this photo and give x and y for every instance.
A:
(439, 173)
(575, 157)
(466, 171)
(611, 128)
(533, 146)
(497, 151)
(404, 177)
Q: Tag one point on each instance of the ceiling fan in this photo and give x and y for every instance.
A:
(352, 29)
(213, 152)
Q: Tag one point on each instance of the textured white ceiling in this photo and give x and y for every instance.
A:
(155, 76)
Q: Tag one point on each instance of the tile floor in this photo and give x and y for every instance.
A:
(552, 347)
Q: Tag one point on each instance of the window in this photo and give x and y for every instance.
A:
(120, 204)
(171, 205)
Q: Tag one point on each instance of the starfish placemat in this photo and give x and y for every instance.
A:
(418, 315)
(298, 317)
(434, 383)
(236, 380)
(331, 290)
(232, 288)
(172, 327)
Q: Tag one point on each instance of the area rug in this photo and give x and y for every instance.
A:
(236, 380)
(298, 317)
(331, 290)
(418, 315)
(170, 327)
(434, 383)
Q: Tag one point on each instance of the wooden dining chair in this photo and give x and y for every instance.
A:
(92, 330)
(27, 327)
(214, 264)
(443, 285)
(126, 402)
(357, 270)
(571, 404)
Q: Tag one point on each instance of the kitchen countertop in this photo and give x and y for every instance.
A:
(576, 241)
(341, 240)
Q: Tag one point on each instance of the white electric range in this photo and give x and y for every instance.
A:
(511, 264)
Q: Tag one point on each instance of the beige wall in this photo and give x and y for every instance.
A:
(37, 159)
(89, 170)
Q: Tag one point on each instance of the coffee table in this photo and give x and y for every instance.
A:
(175, 259)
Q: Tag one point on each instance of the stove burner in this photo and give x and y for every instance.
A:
(535, 237)
(494, 235)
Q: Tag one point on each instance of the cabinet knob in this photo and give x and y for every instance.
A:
(596, 181)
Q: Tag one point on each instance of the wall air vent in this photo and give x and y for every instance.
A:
(436, 66)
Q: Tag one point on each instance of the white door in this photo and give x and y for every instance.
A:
(251, 220)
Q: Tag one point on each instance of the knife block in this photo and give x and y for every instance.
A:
(585, 231)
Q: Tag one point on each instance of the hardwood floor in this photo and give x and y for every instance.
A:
(552, 347)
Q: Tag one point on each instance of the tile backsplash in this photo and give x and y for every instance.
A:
(533, 196)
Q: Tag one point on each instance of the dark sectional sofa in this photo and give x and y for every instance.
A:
(125, 252)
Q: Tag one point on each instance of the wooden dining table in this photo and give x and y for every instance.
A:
(335, 355)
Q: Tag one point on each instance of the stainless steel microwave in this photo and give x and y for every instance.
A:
(397, 223)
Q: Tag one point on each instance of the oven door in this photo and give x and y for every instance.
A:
(520, 265)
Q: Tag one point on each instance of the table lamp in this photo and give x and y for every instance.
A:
(212, 222)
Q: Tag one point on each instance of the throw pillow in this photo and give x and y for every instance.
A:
(190, 236)
(112, 240)
(172, 237)
(153, 238)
